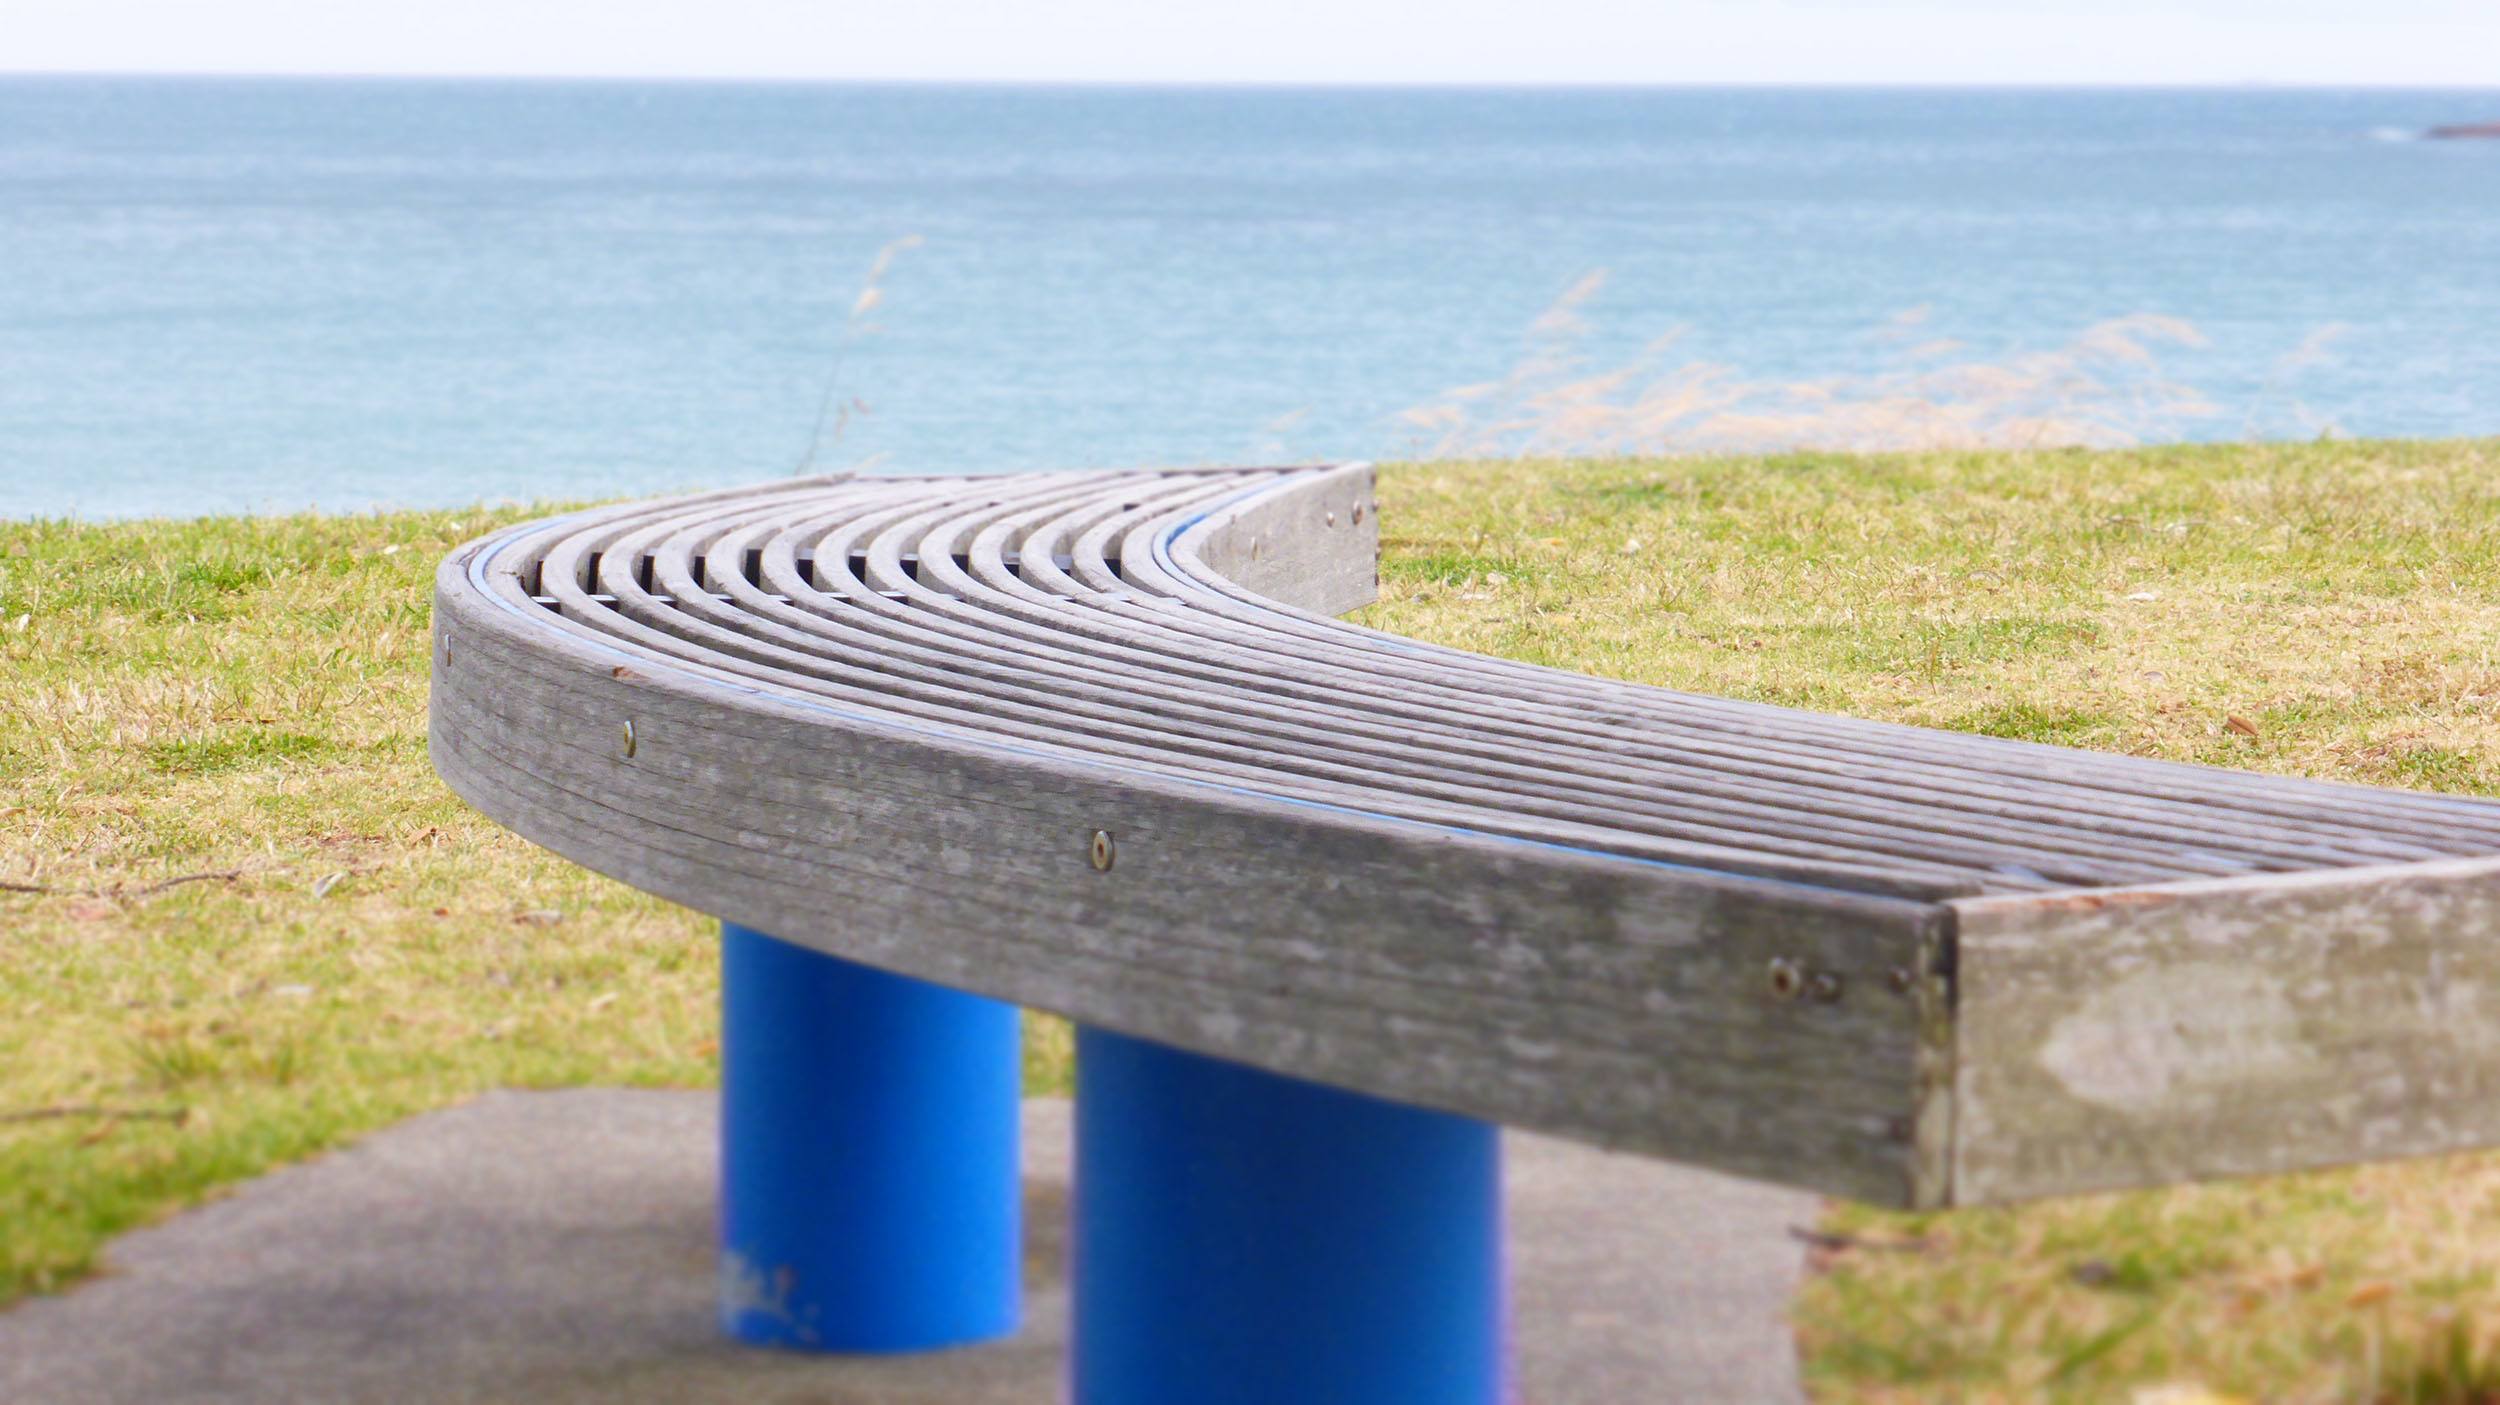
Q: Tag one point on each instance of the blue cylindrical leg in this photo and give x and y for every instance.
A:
(869, 1170)
(1248, 1239)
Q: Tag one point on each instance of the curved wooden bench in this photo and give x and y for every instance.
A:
(1091, 743)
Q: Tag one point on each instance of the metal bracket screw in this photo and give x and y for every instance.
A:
(1791, 981)
(1788, 979)
(1100, 851)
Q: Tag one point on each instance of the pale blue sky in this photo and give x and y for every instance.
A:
(2427, 42)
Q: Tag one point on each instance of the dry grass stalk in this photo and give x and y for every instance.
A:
(2105, 387)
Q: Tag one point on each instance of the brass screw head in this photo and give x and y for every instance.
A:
(629, 736)
(1100, 851)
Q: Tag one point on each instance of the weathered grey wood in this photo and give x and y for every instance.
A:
(1618, 1002)
(952, 685)
(2136, 1037)
(885, 718)
(1315, 550)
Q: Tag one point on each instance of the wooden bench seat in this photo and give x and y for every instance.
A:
(1093, 743)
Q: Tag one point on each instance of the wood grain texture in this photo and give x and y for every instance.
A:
(1316, 550)
(2142, 1036)
(1616, 1002)
(885, 718)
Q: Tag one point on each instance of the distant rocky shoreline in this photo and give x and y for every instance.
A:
(2465, 130)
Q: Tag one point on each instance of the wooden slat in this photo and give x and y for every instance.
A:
(1623, 1003)
(2137, 1037)
(884, 717)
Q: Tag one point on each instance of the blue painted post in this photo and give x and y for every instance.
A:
(1248, 1239)
(869, 1167)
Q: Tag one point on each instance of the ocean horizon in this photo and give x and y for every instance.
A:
(268, 294)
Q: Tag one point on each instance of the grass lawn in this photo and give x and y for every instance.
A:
(242, 921)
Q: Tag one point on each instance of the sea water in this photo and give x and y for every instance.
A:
(224, 295)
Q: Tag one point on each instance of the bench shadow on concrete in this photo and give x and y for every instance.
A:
(557, 1247)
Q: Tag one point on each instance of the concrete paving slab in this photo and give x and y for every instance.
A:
(557, 1247)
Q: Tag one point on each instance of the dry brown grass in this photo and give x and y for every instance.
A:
(2105, 386)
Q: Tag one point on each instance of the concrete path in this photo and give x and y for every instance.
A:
(556, 1247)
